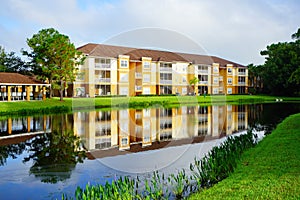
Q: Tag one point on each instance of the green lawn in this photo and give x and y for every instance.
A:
(70, 104)
(271, 170)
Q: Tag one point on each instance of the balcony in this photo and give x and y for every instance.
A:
(102, 66)
(165, 69)
(201, 71)
(203, 82)
(138, 75)
(165, 81)
(242, 73)
(138, 88)
(103, 80)
(241, 83)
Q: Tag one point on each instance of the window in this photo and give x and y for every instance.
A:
(146, 90)
(123, 77)
(146, 65)
(123, 91)
(124, 141)
(80, 76)
(216, 91)
(229, 70)
(183, 79)
(203, 68)
(229, 90)
(216, 69)
(216, 80)
(184, 91)
(146, 78)
(229, 81)
(124, 63)
(80, 91)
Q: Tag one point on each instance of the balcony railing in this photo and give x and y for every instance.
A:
(103, 80)
(137, 87)
(241, 83)
(241, 73)
(165, 69)
(203, 82)
(165, 81)
(138, 75)
(201, 71)
(102, 66)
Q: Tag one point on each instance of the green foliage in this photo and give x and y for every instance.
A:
(281, 70)
(268, 171)
(214, 167)
(9, 62)
(54, 58)
(60, 148)
(221, 160)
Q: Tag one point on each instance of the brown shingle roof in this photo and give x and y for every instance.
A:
(15, 78)
(197, 59)
(224, 62)
(103, 50)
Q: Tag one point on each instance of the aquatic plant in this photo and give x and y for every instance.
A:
(212, 168)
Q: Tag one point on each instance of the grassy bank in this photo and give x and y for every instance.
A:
(71, 104)
(269, 171)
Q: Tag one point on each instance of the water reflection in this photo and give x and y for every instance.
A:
(54, 155)
(130, 129)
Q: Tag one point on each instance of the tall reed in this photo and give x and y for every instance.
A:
(205, 172)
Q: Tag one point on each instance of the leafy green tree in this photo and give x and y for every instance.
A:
(54, 58)
(255, 78)
(280, 72)
(10, 62)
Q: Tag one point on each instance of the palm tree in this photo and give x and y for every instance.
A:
(193, 82)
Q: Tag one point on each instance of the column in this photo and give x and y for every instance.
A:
(28, 124)
(28, 93)
(44, 93)
(8, 93)
(9, 125)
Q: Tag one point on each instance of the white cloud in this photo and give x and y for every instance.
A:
(232, 29)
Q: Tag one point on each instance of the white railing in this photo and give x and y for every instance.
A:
(241, 73)
(203, 82)
(137, 87)
(103, 80)
(241, 83)
(165, 69)
(165, 81)
(102, 66)
(201, 71)
(138, 75)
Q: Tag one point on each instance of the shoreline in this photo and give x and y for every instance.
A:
(69, 105)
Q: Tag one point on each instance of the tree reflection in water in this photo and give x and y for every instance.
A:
(11, 151)
(54, 155)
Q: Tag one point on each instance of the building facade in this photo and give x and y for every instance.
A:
(116, 70)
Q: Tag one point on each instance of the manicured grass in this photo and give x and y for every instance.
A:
(70, 104)
(271, 170)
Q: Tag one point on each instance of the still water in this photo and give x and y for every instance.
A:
(45, 156)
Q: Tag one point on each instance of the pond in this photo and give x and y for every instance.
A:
(45, 156)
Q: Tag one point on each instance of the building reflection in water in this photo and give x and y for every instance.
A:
(36, 124)
(147, 127)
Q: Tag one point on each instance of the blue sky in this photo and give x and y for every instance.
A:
(232, 29)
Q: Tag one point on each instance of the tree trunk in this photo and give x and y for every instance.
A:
(61, 90)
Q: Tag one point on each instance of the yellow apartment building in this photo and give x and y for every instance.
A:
(116, 70)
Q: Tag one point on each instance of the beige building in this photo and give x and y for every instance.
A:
(116, 70)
